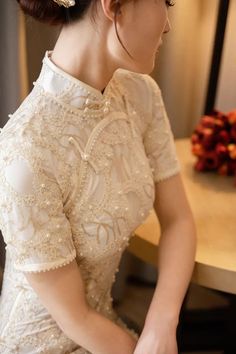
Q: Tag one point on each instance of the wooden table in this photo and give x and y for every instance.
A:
(213, 202)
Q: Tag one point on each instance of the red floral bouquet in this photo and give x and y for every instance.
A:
(214, 143)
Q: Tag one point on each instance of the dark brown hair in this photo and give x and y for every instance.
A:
(48, 11)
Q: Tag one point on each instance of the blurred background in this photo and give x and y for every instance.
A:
(182, 72)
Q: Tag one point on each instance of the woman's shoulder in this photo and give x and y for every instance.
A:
(33, 133)
(36, 122)
(139, 81)
(140, 88)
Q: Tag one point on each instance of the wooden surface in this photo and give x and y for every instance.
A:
(213, 202)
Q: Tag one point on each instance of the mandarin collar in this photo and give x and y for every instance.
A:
(69, 89)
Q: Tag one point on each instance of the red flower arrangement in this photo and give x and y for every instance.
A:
(214, 143)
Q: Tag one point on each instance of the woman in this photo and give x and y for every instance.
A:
(83, 160)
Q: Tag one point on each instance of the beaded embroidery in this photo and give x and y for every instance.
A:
(77, 173)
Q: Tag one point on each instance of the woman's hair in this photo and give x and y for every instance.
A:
(50, 12)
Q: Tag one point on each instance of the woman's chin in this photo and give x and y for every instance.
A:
(145, 67)
(148, 66)
(142, 66)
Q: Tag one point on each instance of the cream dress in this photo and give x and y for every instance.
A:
(77, 173)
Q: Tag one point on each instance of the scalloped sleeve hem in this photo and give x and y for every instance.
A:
(166, 175)
(44, 267)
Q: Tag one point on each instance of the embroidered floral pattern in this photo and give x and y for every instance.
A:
(77, 173)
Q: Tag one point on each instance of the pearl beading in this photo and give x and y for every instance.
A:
(85, 112)
(44, 124)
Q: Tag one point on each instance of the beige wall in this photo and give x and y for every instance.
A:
(39, 38)
(226, 96)
(183, 66)
(9, 59)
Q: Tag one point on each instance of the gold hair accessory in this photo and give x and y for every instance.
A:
(65, 3)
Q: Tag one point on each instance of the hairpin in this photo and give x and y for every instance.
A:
(65, 3)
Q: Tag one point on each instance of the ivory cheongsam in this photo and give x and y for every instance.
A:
(77, 175)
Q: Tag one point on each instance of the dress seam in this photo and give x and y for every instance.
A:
(12, 311)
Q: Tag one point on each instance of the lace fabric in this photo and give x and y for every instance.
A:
(77, 174)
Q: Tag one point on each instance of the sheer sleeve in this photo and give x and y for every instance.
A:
(158, 138)
(34, 227)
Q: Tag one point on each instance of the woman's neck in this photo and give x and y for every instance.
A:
(81, 51)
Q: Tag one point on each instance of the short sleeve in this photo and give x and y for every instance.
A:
(158, 138)
(35, 229)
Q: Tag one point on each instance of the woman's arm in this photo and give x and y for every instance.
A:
(177, 249)
(62, 293)
(175, 264)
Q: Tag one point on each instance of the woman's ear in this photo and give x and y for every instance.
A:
(111, 8)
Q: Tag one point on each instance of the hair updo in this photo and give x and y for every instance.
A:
(48, 11)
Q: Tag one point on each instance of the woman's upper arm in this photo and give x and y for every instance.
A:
(158, 138)
(35, 228)
(170, 197)
(171, 202)
(37, 231)
(62, 292)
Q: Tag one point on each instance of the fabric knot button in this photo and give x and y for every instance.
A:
(87, 101)
(120, 192)
(106, 110)
(85, 157)
(43, 185)
(70, 139)
(91, 285)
